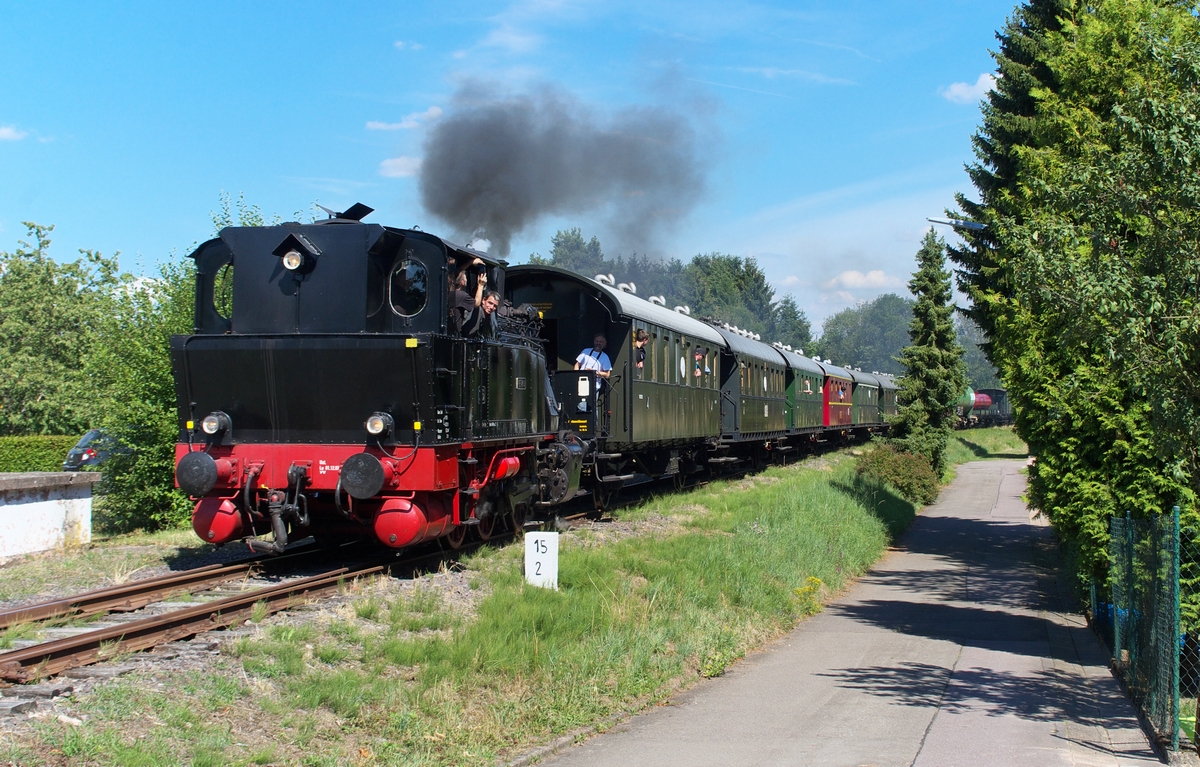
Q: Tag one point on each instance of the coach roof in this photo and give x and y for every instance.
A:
(748, 347)
(631, 305)
(800, 362)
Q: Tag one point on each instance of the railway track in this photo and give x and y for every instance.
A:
(135, 595)
(49, 658)
(46, 659)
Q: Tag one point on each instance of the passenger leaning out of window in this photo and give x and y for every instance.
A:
(639, 350)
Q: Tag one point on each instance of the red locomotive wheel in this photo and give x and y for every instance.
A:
(486, 527)
(457, 537)
(516, 519)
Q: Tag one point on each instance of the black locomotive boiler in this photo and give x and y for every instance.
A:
(328, 390)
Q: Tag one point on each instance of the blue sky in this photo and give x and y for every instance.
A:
(831, 130)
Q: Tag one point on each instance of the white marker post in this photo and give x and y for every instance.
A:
(541, 559)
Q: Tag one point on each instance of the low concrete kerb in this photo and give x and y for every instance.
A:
(566, 741)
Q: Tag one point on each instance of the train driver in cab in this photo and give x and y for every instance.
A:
(462, 304)
(595, 358)
(482, 322)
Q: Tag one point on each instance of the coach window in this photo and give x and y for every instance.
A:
(652, 358)
(668, 357)
(409, 288)
(677, 360)
(653, 353)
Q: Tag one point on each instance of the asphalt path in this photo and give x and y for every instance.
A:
(960, 648)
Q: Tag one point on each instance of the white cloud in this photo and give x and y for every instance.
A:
(963, 93)
(838, 297)
(512, 39)
(852, 279)
(459, 54)
(772, 73)
(400, 167)
(792, 280)
(404, 45)
(9, 133)
(408, 122)
(867, 226)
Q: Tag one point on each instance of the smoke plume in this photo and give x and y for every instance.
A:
(495, 165)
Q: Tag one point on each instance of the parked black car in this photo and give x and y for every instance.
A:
(89, 452)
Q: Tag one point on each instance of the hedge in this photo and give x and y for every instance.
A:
(37, 453)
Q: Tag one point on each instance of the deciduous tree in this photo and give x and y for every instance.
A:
(870, 335)
(49, 313)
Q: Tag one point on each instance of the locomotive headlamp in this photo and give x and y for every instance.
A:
(215, 423)
(379, 424)
(297, 253)
(293, 260)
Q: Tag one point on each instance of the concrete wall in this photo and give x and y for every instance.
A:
(41, 511)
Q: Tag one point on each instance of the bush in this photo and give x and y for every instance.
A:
(44, 452)
(131, 365)
(910, 474)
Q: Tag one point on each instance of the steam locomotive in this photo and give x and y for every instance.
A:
(326, 391)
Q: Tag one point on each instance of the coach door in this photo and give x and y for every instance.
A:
(731, 375)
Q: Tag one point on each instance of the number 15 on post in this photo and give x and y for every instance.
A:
(541, 559)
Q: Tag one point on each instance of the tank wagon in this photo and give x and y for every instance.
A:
(985, 407)
(327, 390)
(997, 411)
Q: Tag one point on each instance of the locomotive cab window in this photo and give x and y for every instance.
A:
(408, 289)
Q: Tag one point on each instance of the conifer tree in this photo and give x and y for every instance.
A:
(1083, 280)
(934, 374)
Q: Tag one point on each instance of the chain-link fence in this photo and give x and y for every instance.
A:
(1147, 614)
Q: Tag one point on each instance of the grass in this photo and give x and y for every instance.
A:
(698, 579)
(981, 444)
(105, 561)
(1187, 717)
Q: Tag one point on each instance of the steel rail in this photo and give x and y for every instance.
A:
(137, 594)
(50, 658)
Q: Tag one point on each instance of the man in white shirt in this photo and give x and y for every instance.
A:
(595, 358)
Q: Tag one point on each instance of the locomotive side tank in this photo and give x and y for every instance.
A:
(327, 390)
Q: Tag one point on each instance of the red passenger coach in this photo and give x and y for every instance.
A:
(837, 400)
